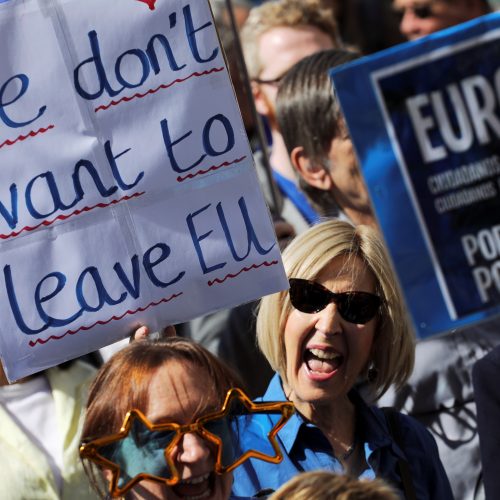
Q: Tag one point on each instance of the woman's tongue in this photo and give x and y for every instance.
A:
(322, 364)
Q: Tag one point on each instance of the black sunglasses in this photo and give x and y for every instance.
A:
(311, 297)
(420, 11)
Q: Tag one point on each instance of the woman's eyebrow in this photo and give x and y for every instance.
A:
(165, 419)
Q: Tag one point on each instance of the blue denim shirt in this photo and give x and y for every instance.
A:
(305, 448)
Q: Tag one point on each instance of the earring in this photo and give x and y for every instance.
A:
(372, 373)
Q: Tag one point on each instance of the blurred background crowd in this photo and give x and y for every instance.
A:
(309, 173)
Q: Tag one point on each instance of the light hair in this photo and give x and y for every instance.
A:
(323, 485)
(307, 255)
(283, 13)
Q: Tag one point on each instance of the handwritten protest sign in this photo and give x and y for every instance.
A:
(425, 121)
(128, 192)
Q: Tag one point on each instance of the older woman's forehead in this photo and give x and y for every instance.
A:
(351, 271)
(347, 261)
(180, 392)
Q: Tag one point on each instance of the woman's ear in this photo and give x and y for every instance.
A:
(312, 172)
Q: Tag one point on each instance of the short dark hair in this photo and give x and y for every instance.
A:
(308, 112)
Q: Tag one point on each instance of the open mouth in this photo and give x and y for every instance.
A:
(196, 488)
(322, 362)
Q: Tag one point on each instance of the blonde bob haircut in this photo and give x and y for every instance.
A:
(307, 255)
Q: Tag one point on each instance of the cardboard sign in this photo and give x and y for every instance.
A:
(128, 191)
(425, 121)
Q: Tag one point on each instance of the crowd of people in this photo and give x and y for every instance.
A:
(319, 391)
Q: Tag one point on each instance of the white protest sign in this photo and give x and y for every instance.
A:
(128, 192)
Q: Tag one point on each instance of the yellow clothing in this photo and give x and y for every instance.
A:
(24, 470)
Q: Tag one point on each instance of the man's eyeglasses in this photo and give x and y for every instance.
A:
(142, 450)
(420, 11)
(311, 297)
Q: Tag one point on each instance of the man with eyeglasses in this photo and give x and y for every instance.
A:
(275, 36)
(422, 17)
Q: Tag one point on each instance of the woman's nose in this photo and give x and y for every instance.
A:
(328, 321)
(193, 448)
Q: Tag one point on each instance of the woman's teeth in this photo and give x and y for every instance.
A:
(324, 354)
(196, 480)
(321, 361)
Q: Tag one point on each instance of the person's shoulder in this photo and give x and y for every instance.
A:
(81, 370)
(415, 437)
(485, 371)
(411, 427)
(421, 453)
(78, 374)
(490, 361)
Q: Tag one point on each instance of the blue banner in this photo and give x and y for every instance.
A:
(425, 121)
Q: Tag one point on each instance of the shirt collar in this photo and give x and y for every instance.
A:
(371, 422)
(288, 434)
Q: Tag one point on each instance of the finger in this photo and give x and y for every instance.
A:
(141, 333)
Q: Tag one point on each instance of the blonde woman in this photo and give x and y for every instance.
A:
(342, 321)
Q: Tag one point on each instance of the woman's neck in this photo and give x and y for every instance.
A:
(336, 419)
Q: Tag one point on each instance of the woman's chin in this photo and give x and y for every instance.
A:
(222, 486)
(215, 487)
(315, 387)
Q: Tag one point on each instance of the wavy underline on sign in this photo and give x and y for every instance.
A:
(21, 138)
(65, 217)
(244, 270)
(33, 343)
(163, 86)
(211, 169)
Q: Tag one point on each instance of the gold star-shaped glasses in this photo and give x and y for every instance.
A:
(142, 450)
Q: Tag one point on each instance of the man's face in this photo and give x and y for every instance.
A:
(348, 188)
(422, 17)
(279, 49)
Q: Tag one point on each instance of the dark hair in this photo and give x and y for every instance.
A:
(309, 113)
(123, 383)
